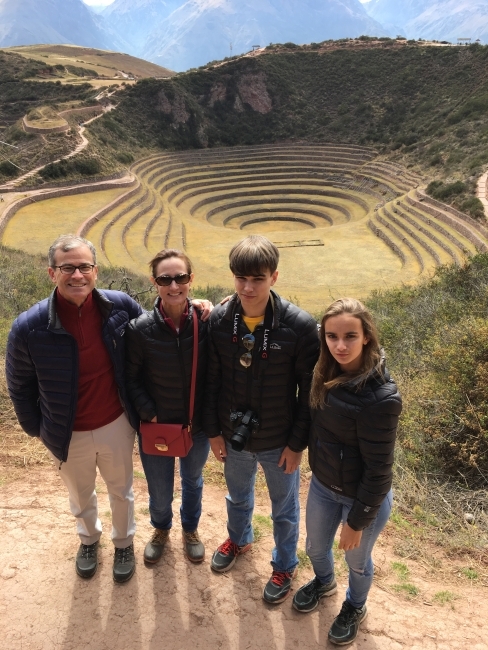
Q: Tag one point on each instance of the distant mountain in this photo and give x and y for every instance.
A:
(26, 22)
(130, 22)
(445, 20)
(202, 30)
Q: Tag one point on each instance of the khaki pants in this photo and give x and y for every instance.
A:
(110, 449)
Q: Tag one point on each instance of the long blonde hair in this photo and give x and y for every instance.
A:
(327, 373)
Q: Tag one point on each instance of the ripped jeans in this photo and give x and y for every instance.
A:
(325, 511)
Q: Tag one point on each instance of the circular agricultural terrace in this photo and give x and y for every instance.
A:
(345, 222)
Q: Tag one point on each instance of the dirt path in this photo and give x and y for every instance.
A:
(176, 605)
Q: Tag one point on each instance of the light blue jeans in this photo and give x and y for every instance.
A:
(325, 511)
(240, 469)
(160, 477)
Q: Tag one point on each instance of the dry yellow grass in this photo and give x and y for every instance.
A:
(34, 227)
(104, 62)
(44, 117)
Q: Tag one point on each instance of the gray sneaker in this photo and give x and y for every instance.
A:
(345, 627)
(154, 547)
(124, 564)
(87, 560)
(307, 597)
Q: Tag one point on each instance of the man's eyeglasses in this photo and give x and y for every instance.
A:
(248, 342)
(166, 280)
(69, 269)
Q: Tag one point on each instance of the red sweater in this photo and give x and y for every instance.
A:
(98, 397)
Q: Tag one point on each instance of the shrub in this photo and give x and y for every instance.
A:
(87, 166)
(7, 169)
(125, 157)
(473, 207)
(442, 192)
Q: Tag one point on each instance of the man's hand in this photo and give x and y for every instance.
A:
(204, 306)
(349, 538)
(218, 447)
(291, 459)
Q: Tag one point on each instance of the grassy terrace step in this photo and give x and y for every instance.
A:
(462, 243)
(401, 240)
(474, 232)
(269, 193)
(438, 256)
(434, 236)
(332, 214)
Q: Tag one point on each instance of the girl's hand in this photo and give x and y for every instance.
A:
(349, 538)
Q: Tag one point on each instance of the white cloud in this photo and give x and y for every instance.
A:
(98, 2)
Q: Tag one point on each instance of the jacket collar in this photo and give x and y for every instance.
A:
(234, 303)
(160, 320)
(104, 304)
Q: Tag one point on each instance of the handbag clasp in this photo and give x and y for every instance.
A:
(161, 447)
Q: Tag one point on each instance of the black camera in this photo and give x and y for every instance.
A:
(247, 423)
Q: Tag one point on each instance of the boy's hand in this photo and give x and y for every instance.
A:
(291, 459)
(217, 445)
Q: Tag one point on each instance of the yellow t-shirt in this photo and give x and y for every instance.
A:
(252, 323)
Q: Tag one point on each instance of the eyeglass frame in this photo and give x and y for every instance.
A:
(75, 268)
(171, 278)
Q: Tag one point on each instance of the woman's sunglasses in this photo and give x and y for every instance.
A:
(166, 280)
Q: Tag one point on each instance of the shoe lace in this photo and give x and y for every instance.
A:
(192, 538)
(159, 536)
(124, 555)
(347, 615)
(88, 551)
(278, 578)
(228, 548)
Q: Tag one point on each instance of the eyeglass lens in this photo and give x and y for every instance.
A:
(69, 269)
(166, 280)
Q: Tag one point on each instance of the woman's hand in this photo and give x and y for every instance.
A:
(217, 445)
(349, 538)
(204, 306)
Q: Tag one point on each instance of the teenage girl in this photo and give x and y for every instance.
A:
(355, 406)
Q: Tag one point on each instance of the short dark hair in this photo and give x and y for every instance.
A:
(165, 254)
(254, 255)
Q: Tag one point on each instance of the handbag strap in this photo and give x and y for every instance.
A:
(193, 368)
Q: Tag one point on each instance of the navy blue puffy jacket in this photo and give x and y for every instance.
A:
(42, 366)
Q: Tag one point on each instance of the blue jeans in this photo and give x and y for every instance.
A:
(325, 511)
(240, 469)
(160, 476)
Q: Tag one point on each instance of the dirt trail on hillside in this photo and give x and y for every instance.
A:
(44, 605)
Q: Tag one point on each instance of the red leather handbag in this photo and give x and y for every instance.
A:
(173, 439)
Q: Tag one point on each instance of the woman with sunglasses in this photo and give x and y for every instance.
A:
(355, 410)
(158, 371)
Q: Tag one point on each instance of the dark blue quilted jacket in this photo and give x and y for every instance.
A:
(42, 367)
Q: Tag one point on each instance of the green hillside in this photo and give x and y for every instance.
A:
(425, 106)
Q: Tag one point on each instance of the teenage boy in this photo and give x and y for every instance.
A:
(262, 353)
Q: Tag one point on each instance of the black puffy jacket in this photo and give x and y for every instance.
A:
(352, 439)
(42, 366)
(278, 394)
(158, 368)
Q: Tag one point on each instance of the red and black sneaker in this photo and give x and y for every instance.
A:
(226, 555)
(278, 586)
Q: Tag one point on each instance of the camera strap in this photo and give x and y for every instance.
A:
(262, 355)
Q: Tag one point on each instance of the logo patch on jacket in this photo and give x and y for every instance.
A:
(275, 346)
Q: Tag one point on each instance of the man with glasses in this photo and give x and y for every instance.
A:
(65, 365)
(262, 353)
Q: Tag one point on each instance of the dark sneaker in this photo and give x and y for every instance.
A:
(87, 560)
(154, 548)
(124, 563)
(345, 627)
(194, 549)
(226, 555)
(307, 597)
(278, 586)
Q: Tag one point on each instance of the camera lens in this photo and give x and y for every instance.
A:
(240, 437)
